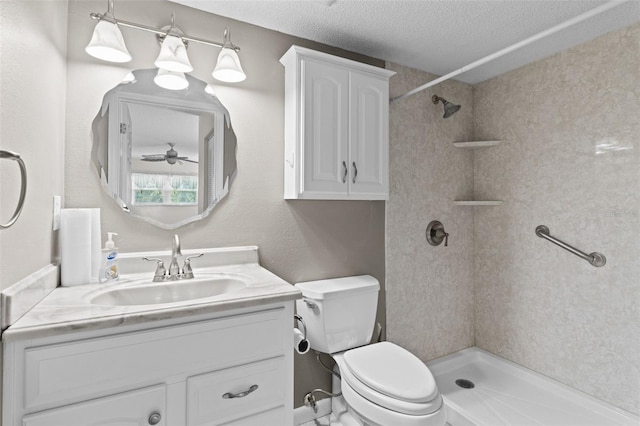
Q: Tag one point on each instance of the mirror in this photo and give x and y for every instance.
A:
(166, 157)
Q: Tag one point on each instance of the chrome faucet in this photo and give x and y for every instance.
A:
(174, 268)
(173, 272)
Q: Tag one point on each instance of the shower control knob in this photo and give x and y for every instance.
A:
(155, 418)
(436, 234)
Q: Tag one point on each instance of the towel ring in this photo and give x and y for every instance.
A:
(23, 185)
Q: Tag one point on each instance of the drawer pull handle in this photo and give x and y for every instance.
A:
(155, 418)
(230, 395)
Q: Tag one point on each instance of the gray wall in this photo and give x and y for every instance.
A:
(429, 289)
(33, 42)
(570, 160)
(32, 34)
(298, 240)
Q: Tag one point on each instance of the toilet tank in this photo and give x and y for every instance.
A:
(339, 313)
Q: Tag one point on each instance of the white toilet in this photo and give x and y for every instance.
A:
(382, 384)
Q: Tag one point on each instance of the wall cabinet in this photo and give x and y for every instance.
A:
(336, 128)
(231, 370)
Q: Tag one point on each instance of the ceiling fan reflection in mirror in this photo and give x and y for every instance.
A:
(171, 156)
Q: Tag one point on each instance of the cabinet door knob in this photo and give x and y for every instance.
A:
(355, 172)
(230, 395)
(346, 171)
(154, 418)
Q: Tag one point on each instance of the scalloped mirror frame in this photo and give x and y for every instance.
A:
(121, 146)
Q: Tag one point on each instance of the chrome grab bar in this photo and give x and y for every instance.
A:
(596, 259)
(23, 185)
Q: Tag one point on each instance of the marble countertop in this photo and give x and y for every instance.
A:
(70, 309)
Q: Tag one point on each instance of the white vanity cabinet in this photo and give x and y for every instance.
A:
(136, 408)
(336, 128)
(230, 368)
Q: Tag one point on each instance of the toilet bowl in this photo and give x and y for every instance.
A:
(385, 384)
(382, 384)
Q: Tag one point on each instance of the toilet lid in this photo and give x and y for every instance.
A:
(392, 371)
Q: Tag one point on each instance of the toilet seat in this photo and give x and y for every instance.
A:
(391, 377)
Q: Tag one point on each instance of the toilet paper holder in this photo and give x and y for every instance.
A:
(304, 326)
(300, 342)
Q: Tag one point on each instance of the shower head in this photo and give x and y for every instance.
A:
(449, 108)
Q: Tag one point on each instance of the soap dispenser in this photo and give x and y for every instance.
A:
(109, 270)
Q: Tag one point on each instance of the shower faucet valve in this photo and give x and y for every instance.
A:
(435, 234)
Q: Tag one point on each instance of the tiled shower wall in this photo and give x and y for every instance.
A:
(571, 161)
(429, 289)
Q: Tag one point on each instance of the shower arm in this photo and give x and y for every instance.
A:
(561, 26)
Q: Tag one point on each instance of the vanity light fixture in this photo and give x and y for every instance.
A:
(108, 44)
(172, 80)
(173, 52)
(228, 67)
(129, 78)
(210, 90)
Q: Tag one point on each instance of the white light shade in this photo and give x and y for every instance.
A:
(129, 78)
(228, 68)
(171, 80)
(210, 90)
(173, 55)
(107, 43)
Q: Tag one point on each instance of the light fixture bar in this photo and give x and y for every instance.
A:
(159, 31)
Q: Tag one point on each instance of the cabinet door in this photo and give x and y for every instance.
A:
(369, 153)
(325, 130)
(126, 409)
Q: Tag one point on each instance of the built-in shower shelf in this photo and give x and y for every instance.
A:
(477, 202)
(475, 144)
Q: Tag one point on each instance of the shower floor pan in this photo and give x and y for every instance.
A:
(492, 391)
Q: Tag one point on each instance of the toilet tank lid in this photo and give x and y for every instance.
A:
(334, 287)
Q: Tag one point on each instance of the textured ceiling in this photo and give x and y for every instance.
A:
(437, 36)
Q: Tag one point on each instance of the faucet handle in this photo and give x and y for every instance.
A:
(161, 271)
(187, 272)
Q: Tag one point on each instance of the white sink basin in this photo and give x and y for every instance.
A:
(168, 292)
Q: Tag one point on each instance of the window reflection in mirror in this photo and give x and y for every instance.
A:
(167, 157)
